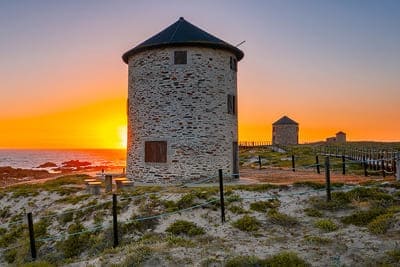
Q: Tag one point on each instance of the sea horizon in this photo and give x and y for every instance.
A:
(32, 158)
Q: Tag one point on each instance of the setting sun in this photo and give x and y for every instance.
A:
(122, 131)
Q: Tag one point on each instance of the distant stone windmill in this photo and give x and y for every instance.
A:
(285, 131)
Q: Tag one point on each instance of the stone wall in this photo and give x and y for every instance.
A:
(285, 134)
(185, 105)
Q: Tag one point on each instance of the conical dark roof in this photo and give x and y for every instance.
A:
(285, 120)
(182, 33)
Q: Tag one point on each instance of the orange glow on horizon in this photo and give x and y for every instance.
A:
(97, 125)
(103, 125)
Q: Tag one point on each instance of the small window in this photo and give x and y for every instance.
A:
(233, 63)
(180, 57)
(155, 151)
(231, 104)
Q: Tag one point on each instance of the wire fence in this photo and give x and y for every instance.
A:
(341, 163)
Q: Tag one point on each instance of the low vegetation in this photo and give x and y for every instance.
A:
(67, 236)
(181, 227)
(247, 223)
(312, 212)
(263, 206)
(363, 217)
(282, 219)
(326, 225)
(381, 224)
(289, 259)
(318, 240)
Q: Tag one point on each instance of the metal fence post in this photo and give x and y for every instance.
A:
(293, 164)
(343, 164)
(398, 167)
(31, 236)
(317, 163)
(328, 179)
(365, 166)
(115, 222)
(221, 194)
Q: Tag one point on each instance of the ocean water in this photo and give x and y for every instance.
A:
(28, 159)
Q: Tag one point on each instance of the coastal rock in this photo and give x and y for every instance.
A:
(9, 175)
(47, 165)
(75, 164)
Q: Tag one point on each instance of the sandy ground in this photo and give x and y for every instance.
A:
(349, 245)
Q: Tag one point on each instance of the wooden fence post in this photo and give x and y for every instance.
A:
(31, 236)
(328, 179)
(259, 161)
(221, 195)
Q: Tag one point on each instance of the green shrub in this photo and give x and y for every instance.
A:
(73, 200)
(362, 218)
(98, 217)
(10, 255)
(313, 212)
(313, 185)
(326, 225)
(141, 226)
(367, 193)
(254, 187)
(75, 244)
(136, 256)
(380, 224)
(287, 259)
(40, 228)
(339, 201)
(247, 223)
(244, 261)
(170, 205)
(237, 209)
(317, 240)
(176, 241)
(281, 219)
(205, 192)
(233, 198)
(38, 264)
(185, 201)
(185, 227)
(394, 254)
(263, 206)
(5, 213)
(283, 259)
(13, 234)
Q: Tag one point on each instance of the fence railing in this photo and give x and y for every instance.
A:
(248, 144)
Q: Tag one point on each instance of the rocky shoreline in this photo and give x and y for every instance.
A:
(10, 175)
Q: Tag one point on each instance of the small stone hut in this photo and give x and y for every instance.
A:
(340, 137)
(182, 106)
(285, 131)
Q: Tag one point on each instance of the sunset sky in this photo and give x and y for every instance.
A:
(329, 65)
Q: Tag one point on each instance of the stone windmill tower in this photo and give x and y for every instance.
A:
(182, 106)
(285, 131)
